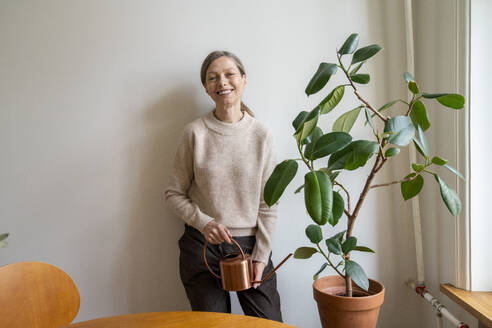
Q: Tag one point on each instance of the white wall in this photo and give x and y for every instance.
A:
(93, 96)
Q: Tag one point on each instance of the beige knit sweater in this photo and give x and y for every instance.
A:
(220, 170)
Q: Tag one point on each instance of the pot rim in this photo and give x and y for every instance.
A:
(368, 297)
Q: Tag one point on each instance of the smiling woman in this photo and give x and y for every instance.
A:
(221, 67)
(224, 82)
(220, 170)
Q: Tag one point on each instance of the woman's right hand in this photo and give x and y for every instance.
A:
(216, 233)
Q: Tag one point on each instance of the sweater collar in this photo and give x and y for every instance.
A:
(225, 128)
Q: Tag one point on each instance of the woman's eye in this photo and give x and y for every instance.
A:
(211, 78)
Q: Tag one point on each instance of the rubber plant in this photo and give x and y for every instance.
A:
(326, 199)
(3, 236)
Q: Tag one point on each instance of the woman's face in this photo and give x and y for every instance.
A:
(224, 82)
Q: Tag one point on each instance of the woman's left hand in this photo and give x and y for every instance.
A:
(258, 268)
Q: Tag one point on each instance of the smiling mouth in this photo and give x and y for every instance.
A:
(224, 92)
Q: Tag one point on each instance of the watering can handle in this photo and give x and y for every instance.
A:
(205, 258)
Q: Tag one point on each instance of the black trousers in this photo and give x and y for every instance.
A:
(205, 291)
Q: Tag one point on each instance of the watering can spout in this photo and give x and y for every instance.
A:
(273, 271)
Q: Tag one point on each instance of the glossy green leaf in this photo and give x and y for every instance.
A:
(365, 53)
(412, 187)
(423, 141)
(334, 246)
(367, 112)
(317, 133)
(3, 236)
(332, 100)
(412, 86)
(364, 249)
(313, 232)
(318, 196)
(349, 45)
(304, 252)
(338, 207)
(418, 167)
(304, 116)
(402, 130)
(300, 119)
(308, 139)
(333, 176)
(439, 161)
(357, 159)
(355, 271)
(306, 129)
(349, 244)
(419, 147)
(387, 105)
(411, 175)
(455, 171)
(316, 275)
(391, 152)
(408, 77)
(346, 121)
(353, 156)
(361, 78)
(356, 69)
(338, 236)
(330, 143)
(433, 95)
(320, 78)
(452, 100)
(280, 178)
(419, 115)
(449, 196)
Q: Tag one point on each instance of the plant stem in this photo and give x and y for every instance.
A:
(348, 285)
(328, 259)
(347, 193)
(351, 218)
(410, 106)
(304, 158)
(389, 183)
(377, 166)
(432, 173)
(356, 92)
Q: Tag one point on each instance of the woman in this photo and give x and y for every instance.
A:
(222, 164)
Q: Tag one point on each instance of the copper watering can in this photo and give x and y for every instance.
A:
(237, 269)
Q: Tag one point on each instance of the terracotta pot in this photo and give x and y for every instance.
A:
(337, 311)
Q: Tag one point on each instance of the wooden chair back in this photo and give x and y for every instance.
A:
(38, 295)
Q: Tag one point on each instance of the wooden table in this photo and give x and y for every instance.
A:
(479, 304)
(180, 319)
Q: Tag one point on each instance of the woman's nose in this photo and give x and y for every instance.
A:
(222, 80)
